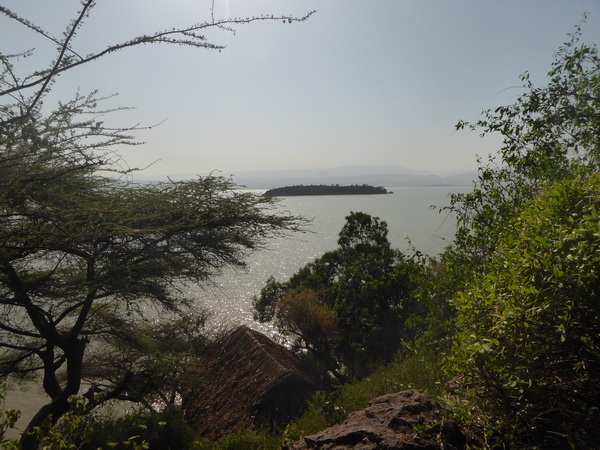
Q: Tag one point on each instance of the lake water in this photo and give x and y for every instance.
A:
(407, 212)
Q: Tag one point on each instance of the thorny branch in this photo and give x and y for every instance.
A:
(68, 59)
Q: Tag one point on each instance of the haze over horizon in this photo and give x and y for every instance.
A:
(359, 83)
(348, 169)
(387, 176)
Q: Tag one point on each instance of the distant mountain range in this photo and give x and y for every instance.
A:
(387, 176)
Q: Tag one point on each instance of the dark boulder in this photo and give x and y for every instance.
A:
(404, 420)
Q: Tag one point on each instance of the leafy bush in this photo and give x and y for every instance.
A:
(529, 328)
(163, 430)
(8, 418)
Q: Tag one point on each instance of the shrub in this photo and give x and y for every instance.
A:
(529, 328)
(163, 430)
(247, 440)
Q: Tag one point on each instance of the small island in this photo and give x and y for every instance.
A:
(322, 189)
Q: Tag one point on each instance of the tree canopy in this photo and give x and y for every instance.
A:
(349, 306)
(84, 256)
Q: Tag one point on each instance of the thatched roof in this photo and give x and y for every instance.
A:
(248, 380)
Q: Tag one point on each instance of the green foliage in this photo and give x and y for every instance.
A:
(363, 234)
(550, 133)
(529, 328)
(349, 306)
(8, 419)
(321, 412)
(89, 263)
(441, 279)
(522, 273)
(418, 368)
(68, 432)
(249, 439)
(135, 431)
(160, 358)
(157, 430)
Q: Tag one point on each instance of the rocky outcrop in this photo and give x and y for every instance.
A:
(404, 420)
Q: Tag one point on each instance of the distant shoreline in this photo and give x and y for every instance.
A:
(322, 189)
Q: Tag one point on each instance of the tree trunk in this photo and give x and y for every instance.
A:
(44, 418)
(49, 414)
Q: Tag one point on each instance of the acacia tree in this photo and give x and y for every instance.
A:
(89, 262)
(83, 257)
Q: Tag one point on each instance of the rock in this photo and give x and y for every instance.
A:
(404, 420)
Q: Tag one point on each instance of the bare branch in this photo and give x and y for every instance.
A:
(179, 36)
(32, 26)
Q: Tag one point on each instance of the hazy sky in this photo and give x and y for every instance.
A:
(377, 82)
